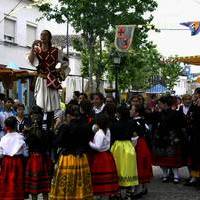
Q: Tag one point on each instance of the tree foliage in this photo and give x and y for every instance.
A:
(144, 67)
(170, 71)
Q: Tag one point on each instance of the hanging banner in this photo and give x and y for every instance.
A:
(124, 37)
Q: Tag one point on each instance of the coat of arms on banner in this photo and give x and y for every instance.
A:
(124, 37)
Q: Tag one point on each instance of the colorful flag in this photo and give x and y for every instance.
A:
(124, 37)
(193, 26)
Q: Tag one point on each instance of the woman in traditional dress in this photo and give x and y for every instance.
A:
(124, 152)
(12, 151)
(168, 139)
(194, 142)
(144, 158)
(39, 165)
(102, 163)
(185, 109)
(72, 177)
(46, 57)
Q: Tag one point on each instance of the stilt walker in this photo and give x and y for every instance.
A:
(45, 58)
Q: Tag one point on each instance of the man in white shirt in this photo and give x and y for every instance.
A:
(187, 100)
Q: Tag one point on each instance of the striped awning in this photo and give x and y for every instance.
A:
(193, 60)
(15, 74)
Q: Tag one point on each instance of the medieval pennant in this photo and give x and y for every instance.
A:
(124, 37)
(193, 26)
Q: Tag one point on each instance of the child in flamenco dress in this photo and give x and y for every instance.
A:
(102, 163)
(142, 147)
(13, 149)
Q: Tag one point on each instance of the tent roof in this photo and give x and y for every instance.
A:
(16, 74)
(157, 89)
(193, 60)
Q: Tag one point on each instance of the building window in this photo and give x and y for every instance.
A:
(9, 30)
(30, 34)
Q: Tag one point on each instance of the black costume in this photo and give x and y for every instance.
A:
(168, 139)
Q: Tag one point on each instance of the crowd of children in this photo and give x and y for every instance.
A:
(97, 149)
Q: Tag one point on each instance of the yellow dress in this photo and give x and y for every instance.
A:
(72, 179)
(195, 173)
(125, 159)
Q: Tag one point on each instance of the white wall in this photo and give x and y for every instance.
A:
(181, 87)
(23, 15)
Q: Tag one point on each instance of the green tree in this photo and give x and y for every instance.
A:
(99, 59)
(170, 71)
(143, 67)
(95, 19)
(137, 68)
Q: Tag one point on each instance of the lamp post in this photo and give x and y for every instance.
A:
(67, 39)
(116, 61)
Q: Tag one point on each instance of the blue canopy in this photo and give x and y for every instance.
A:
(12, 65)
(157, 89)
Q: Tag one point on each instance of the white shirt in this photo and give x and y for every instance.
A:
(185, 109)
(98, 110)
(13, 144)
(101, 141)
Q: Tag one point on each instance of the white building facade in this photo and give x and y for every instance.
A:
(19, 27)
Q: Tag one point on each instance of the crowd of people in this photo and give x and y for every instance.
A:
(95, 148)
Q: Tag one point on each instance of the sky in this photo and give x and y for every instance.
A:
(169, 14)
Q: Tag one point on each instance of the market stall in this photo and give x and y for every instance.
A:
(17, 84)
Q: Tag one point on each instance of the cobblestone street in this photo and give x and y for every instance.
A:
(170, 191)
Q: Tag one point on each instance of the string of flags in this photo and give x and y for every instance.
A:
(124, 33)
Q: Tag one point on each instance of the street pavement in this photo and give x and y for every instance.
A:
(170, 191)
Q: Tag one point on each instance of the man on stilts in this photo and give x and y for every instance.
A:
(46, 57)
